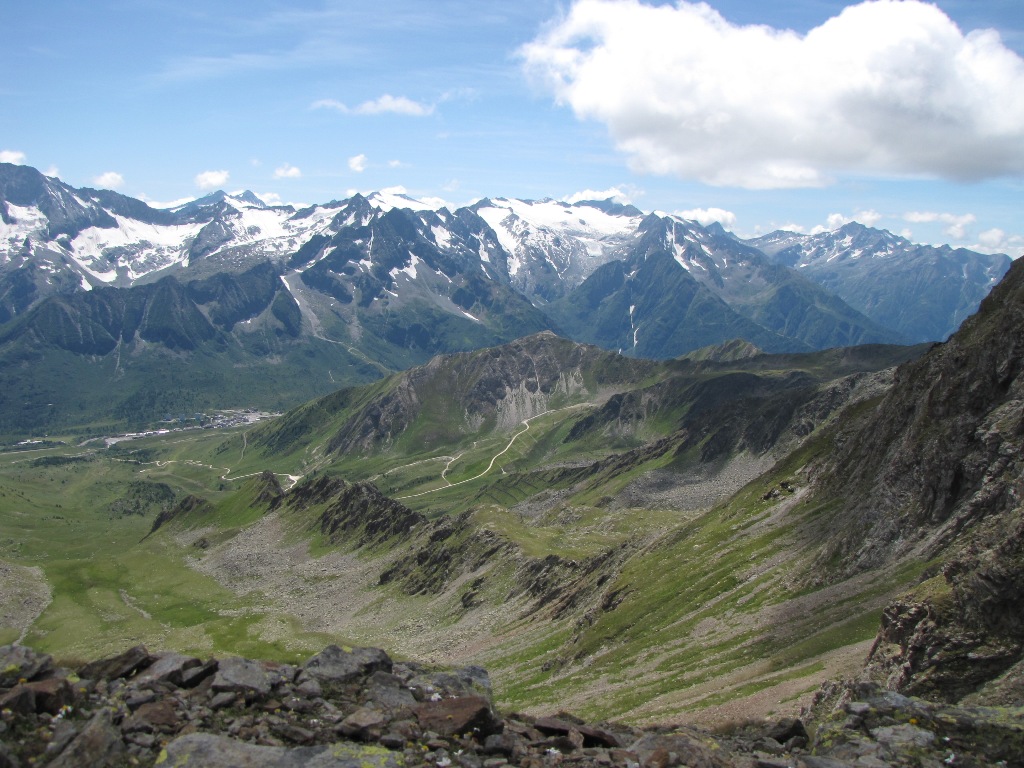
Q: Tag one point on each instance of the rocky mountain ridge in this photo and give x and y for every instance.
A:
(373, 284)
(923, 290)
(935, 474)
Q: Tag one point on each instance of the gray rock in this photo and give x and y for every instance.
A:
(98, 745)
(169, 667)
(238, 675)
(363, 722)
(18, 662)
(115, 667)
(337, 665)
(903, 735)
(208, 751)
(466, 714)
(666, 750)
(388, 692)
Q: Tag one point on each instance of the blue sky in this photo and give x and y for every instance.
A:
(802, 114)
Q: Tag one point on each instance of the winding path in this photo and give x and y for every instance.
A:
(494, 458)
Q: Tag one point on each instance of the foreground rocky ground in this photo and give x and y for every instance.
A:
(358, 709)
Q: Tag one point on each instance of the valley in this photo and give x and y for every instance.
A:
(638, 468)
(596, 530)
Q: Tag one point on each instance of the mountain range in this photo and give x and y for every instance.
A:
(102, 289)
(718, 534)
(645, 527)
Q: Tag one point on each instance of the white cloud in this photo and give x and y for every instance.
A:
(212, 179)
(287, 171)
(397, 164)
(884, 87)
(836, 220)
(996, 240)
(615, 193)
(53, 171)
(398, 105)
(12, 156)
(705, 216)
(334, 104)
(109, 180)
(358, 163)
(993, 238)
(956, 223)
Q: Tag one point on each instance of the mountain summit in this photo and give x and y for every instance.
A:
(373, 284)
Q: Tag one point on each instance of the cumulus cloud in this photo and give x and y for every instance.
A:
(956, 224)
(992, 238)
(53, 171)
(705, 216)
(614, 193)
(12, 156)
(287, 171)
(836, 220)
(358, 163)
(398, 105)
(212, 179)
(888, 86)
(109, 180)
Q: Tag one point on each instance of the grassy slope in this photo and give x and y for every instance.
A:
(698, 610)
(110, 588)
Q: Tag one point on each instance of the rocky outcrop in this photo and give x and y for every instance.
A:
(356, 514)
(942, 452)
(500, 386)
(349, 707)
(936, 473)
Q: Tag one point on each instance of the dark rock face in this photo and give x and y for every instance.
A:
(937, 473)
(358, 513)
(356, 708)
(943, 450)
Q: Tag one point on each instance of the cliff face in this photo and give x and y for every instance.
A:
(937, 471)
(500, 387)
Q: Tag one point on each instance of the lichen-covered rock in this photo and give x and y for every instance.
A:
(205, 750)
(21, 663)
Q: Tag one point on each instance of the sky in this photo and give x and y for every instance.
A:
(802, 115)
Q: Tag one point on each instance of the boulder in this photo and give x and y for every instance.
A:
(338, 665)
(98, 745)
(20, 664)
(238, 675)
(114, 667)
(465, 714)
(668, 750)
(168, 667)
(210, 751)
(52, 694)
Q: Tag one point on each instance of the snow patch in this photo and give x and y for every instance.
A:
(442, 237)
(409, 270)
